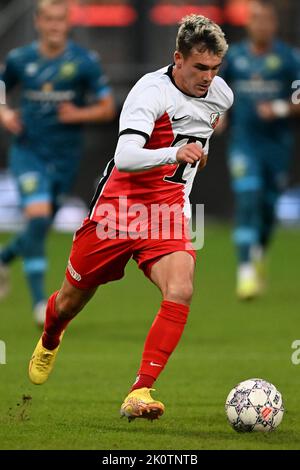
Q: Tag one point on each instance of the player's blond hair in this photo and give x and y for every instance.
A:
(40, 4)
(197, 31)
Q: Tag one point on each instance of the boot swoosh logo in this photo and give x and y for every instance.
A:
(174, 119)
(154, 364)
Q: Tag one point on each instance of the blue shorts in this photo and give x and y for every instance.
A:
(39, 180)
(255, 167)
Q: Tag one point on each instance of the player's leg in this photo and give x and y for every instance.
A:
(30, 243)
(247, 189)
(277, 162)
(93, 261)
(62, 307)
(173, 275)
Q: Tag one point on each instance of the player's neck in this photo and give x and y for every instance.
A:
(51, 51)
(259, 48)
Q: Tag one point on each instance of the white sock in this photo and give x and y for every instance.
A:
(246, 271)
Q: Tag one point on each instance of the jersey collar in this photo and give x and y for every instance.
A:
(170, 75)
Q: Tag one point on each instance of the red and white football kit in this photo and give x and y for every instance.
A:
(156, 119)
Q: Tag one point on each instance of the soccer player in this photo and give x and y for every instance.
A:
(260, 71)
(165, 126)
(56, 77)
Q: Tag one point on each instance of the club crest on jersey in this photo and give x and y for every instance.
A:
(68, 70)
(214, 119)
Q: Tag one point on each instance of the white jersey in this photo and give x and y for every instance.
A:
(167, 118)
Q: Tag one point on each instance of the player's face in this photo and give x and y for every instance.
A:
(193, 74)
(262, 23)
(52, 23)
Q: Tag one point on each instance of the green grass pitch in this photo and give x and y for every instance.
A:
(224, 342)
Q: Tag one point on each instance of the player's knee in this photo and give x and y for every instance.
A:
(67, 306)
(179, 292)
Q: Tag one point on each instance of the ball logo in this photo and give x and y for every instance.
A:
(214, 119)
(265, 412)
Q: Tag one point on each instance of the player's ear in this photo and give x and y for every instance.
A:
(178, 59)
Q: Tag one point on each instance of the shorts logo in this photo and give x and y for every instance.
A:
(29, 182)
(214, 119)
(73, 273)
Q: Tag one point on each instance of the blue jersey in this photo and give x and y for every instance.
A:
(45, 84)
(257, 78)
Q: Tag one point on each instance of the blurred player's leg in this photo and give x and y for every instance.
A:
(30, 245)
(62, 307)
(35, 193)
(246, 237)
(173, 275)
(248, 221)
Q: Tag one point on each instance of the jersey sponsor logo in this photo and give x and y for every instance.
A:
(174, 119)
(73, 273)
(214, 119)
(47, 87)
(49, 96)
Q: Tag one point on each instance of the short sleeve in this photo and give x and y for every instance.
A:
(95, 78)
(142, 108)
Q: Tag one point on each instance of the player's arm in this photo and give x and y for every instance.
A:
(131, 156)
(277, 109)
(280, 108)
(10, 118)
(95, 83)
(102, 111)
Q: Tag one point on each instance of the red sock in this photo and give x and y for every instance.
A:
(161, 341)
(54, 326)
(143, 381)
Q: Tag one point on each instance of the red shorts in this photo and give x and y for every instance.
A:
(95, 261)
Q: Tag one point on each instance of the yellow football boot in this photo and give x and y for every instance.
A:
(248, 286)
(41, 363)
(140, 404)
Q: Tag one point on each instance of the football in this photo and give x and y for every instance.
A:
(254, 405)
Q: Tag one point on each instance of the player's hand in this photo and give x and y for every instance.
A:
(189, 153)
(69, 113)
(265, 111)
(203, 163)
(11, 121)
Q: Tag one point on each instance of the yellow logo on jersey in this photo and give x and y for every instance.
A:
(68, 70)
(47, 87)
(273, 62)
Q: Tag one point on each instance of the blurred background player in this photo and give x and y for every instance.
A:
(165, 127)
(56, 76)
(260, 71)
